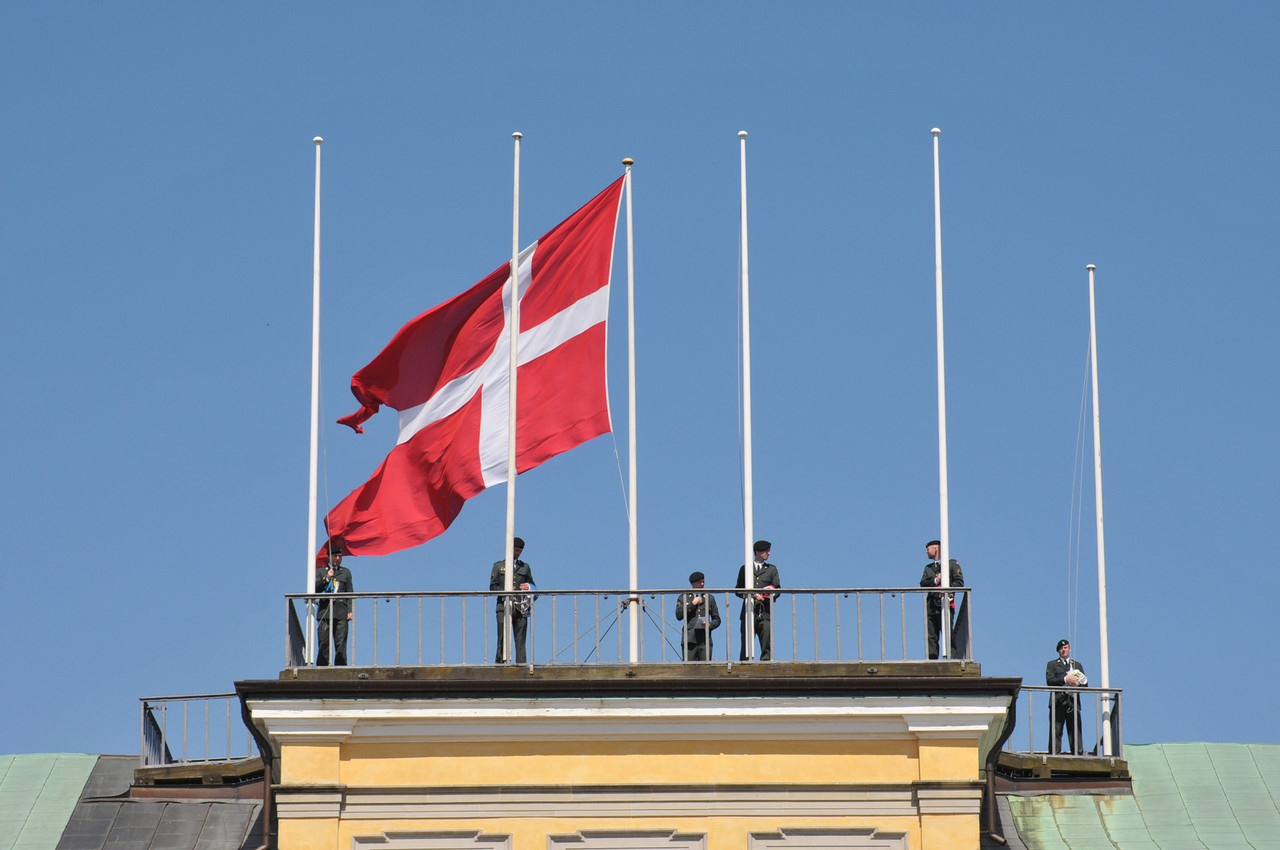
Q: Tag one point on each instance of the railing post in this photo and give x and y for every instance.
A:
(795, 639)
(815, 626)
(882, 643)
(859, 615)
(1117, 729)
(1031, 720)
(531, 634)
(1053, 724)
(902, 618)
(968, 598)
(727, 619)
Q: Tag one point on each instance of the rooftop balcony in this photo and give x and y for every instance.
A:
(592, 627)
(823, 641)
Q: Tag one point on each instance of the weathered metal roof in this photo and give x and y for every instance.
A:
(1185, 797)
(81, 802)
(163, 825)
(37, 796)
(107, 818)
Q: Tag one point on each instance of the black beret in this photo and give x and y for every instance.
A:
(696, 576)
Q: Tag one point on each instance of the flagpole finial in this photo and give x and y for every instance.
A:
(317, 140)
(628, 161)
(742, 134)
(1090, 267)
(517, 135)
(935, 131)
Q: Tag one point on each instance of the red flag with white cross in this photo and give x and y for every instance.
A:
(446, 372)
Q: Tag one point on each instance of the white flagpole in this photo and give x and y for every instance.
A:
(748, 518)
(1103, 650)
(634, 562)
(315, 422)
(509, 545)
(944, 532)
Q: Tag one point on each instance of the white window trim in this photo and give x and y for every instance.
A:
(435, 840)
(627, 839)
(788, 838)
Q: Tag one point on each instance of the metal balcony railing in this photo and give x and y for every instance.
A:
(594, 626)
(1099, 733)
(193, 729)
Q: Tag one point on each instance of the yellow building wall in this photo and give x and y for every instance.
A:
(948, 831)
(311, 834)
(644, 762)
(901, 762)
(310, 764)
(943, 759)
(923, 784)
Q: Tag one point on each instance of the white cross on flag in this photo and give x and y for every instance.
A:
(447, 373)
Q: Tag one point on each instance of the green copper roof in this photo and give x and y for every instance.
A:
(37, 795)
(1185, 797)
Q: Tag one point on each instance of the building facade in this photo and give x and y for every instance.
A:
(763, 756)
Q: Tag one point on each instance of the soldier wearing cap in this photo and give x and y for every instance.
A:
(1064, 707)
(701, 616)
(521, 580)
(933, 578)
(764, 577)
(333, 616)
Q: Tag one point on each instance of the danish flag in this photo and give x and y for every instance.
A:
(446, 371)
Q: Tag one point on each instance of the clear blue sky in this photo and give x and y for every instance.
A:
(155, 284)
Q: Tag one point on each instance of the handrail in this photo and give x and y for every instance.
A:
(157, 742)
(578, 627)
(1095, 705)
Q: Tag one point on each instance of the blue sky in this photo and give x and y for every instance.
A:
(156, 204)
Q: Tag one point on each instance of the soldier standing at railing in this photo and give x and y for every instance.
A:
(764, 577)
(333, 615)
(701, 616)
(933, 578)
(1064, 708)
(521, 579)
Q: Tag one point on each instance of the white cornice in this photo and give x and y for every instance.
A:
(398, 720)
